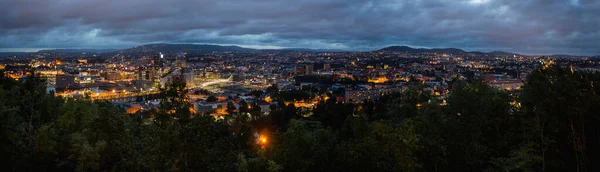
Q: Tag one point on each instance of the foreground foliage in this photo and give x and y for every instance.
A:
(551, 126)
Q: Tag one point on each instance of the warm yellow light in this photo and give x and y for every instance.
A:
(263, 140)
(378, 80)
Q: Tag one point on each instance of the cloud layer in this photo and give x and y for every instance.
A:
(525, 26)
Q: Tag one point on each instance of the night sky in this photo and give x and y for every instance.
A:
(522, 26)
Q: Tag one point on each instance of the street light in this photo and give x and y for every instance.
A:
(262, 141)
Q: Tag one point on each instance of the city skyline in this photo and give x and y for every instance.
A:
(527, 27)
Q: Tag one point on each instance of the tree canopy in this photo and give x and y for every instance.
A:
(551, 125)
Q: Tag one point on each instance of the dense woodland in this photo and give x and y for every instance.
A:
(552, 125)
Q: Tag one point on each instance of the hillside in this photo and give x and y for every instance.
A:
(422, 50)
(175, 48)
(78, 51)
(408, 49)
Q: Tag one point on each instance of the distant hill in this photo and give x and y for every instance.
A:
(203, 48)
(9, 54)
(404, 49)
(500, 52)
(448, 50)
(423, 50)
(207, 48)
(307, 50)
(78, 51)
(504, 53)
(442, 50)
(175, 48)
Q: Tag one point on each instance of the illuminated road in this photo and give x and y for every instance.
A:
(110, 95)
(122, 95)
(116, 95)
(217, 81)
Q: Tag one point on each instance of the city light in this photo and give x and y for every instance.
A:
(263, 141)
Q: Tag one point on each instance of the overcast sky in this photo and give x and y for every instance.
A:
(523, 26)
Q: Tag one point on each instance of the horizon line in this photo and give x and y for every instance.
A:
(269, 47)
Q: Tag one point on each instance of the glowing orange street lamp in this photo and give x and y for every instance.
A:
(262, 141)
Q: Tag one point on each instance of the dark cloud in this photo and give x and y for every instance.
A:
(526, 26)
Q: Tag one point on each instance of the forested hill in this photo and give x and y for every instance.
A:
(551, 126)
(176, 48)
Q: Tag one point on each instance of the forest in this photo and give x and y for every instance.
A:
(551, 125)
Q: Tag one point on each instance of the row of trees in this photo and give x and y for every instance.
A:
(550, 126)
